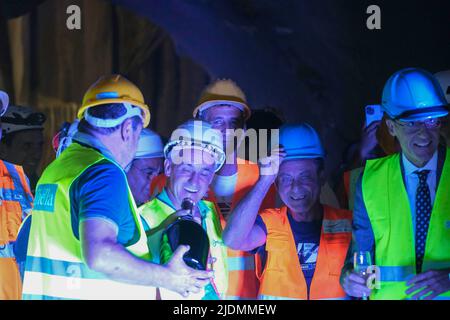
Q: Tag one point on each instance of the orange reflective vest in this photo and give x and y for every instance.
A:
(282, 277)
(15, 203)
(242, 280)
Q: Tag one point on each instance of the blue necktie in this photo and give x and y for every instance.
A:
(423, 214)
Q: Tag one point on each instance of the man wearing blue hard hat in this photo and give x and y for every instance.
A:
(402, 208)
(302, 245)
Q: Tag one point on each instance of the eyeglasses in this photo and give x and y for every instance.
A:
(413, 126)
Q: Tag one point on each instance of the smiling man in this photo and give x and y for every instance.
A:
(193, 155)
(302, 245)
(402, 207)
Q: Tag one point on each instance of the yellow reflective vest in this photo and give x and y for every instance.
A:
(388, 208)
(55, 268)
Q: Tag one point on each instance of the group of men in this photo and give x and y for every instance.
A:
(101, 208)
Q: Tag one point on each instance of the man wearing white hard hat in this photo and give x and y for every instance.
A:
(146, 165)
(193, 155)
(15, 204)
(23, 139)
(224, 105)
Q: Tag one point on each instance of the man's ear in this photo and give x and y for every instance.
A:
(391, 127)
(126, 130)
(167, 167)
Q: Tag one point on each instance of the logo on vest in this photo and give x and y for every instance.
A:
(45, 197)
(447, 224)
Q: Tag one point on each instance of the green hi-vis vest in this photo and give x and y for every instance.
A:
(389, 212)
(156, 211)
(54, 267)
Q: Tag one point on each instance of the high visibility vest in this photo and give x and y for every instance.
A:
(350, 180)
(55, 267)
(388, 207)
(282, 277)
(242, 280)
(156, 211)
(16, 202)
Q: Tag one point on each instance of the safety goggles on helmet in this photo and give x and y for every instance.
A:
(131, 111)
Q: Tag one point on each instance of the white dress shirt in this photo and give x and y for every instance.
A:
(412, 182)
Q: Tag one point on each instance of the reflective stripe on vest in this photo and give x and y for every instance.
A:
(283, 277)
(55, 267)
(156, 211)
(388, 208)
(241, 263)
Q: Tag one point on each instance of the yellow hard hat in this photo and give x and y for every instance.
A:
(222, 92)
(114, 89)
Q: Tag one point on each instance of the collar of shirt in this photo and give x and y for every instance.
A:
(410, 168)
(91, 141)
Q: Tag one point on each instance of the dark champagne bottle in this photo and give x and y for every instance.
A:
(185, 231)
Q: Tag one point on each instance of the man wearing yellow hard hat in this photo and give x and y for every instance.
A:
(86, 239)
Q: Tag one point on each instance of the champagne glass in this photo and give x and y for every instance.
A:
(362, 260)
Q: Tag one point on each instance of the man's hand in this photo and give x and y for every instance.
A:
(183, 279)
(355, 285)
(368, 140)
(269, 166)
(429, 284)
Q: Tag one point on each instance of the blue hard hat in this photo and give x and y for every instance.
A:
(300, 141)
(414, 94)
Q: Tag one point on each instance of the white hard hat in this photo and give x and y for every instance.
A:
(444, 80)
(18, 118)
(198, 134)
(4, 102)
(149, 145)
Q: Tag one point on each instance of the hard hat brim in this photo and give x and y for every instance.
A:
(209, 104)
(142, 106)
(149, 155)
(422, 114)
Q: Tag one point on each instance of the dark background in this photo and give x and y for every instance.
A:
(314, 61)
